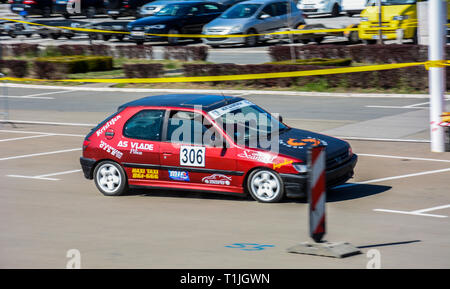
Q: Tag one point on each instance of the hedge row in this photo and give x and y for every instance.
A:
(126, 51)
(143, 70)
(392, 53)
(16, 68)
(411, 77)
(316, 61)
(186, 53)
(59, 67)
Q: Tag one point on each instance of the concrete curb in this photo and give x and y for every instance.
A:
(224, 91)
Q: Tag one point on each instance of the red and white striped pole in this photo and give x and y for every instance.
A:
(317, 191)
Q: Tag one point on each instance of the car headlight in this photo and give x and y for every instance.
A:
(364, 19)
(235, 29)
(157, 26)
(401, 17)
(300, 167)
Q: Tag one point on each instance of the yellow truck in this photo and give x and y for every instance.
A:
(395, 14)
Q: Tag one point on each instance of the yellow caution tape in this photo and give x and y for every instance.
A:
(306, 31)
(247, 76)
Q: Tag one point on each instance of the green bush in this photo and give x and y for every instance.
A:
(78, 63)
(316, 61)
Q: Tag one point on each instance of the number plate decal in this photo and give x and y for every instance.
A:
(192, 156)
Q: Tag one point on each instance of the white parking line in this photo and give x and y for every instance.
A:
(46, 176)
(48, 122)
(415, 106)
(418, 212)
(40, 132)
(393, 178)
(39, 154)
(24, 137)
(37, 95)
(405, 158)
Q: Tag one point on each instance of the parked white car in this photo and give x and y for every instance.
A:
(309, 7)
(353, 7)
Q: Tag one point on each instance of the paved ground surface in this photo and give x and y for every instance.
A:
(398, 203)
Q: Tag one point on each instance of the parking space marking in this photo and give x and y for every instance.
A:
(418, 212)
(393, 178)
(37, 95)
(405, 158)
(414, 106)
(39, 154)
(46, 176)
(40, 132)
(383, 139)
(24, 137)
(48, 122)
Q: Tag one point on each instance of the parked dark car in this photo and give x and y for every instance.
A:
(14, 29)
(55, 33)
(32, 7)
(117, 26)
(121, 8)
(184, 17)
(89, 8)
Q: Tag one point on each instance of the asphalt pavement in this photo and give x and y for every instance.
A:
(397, 203)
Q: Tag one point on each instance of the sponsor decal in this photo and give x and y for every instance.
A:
(228, 108)
(114, 152)
(108, 124)
(135, 147)
(149, 174)
(279, 165)
(300, 143)
(257, 156)
(217, 179)
(179, 175)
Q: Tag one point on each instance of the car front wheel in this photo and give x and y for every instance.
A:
(110, 178)
(265, 186)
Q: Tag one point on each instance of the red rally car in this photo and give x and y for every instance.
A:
(206, 143)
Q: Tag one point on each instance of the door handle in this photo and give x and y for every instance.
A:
(167, 154)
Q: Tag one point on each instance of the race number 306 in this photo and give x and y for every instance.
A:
(192, 156)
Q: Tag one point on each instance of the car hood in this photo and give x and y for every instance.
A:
(151, 20)
(296, 142)
(224, 22)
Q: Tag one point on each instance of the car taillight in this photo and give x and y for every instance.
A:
(10, 1)
(126, 6)
(350, 151)
(85, 144)
(29, 2)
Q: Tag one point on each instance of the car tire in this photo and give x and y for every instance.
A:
(336, 11)
(11, 34)
(68, 36)
(251, 41)
(265, 186)
(66, 15)
(43, 36)
(139, 42)
(120, 37)
(106, 37)
(173, 40)
(46, 12)
(90, 12)
(110, 178)
(54, 36)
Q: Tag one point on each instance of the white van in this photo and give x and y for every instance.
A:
(352, 7)
(310, 7)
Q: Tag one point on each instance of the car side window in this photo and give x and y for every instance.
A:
(268, 10)
(195, 10)
(282, 8)
(189, 128)
(146, 125)
(210, 8)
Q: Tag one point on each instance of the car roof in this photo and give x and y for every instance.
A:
(261, 1)
(207, 101)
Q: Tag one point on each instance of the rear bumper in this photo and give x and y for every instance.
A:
(88, 167)
(296, 185)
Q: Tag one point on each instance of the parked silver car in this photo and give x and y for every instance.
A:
(252, 17)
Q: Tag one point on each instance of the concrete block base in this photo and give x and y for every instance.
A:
(327, 249)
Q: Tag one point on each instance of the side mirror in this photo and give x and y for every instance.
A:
(280, 118)
(264, 16)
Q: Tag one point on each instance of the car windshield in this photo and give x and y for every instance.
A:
(244, 120)
(173, 10)
(241, 11)
(392, 2)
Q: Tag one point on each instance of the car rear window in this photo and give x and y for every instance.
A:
(102, 123)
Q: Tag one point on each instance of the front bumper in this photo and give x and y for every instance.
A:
(224, 40)
(296, 185)
(88, 167)
(313, 9)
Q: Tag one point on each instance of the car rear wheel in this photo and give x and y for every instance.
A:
(265, 186)
(110, 178)
(336, 11)
(251, 40)
(173, 40)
